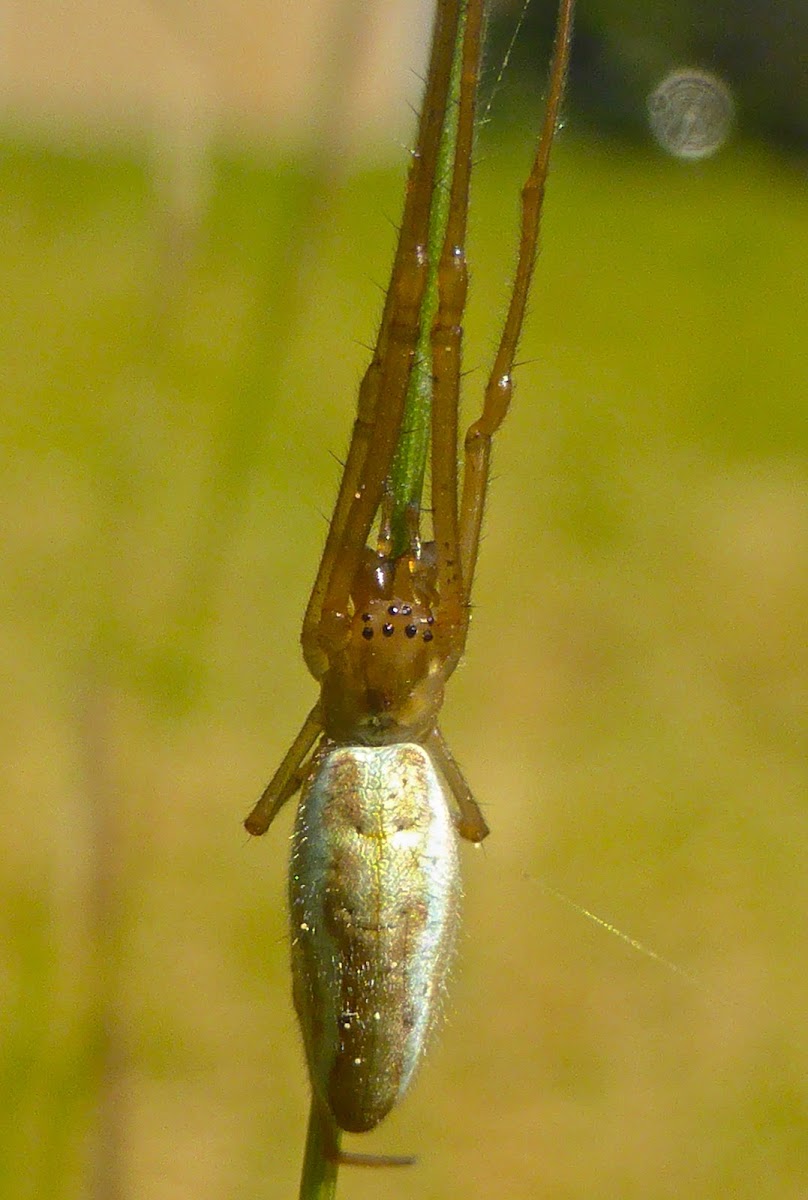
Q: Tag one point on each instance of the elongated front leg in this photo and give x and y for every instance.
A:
(470, 822)
(500, 383)
(446, 344)
(287, 779)
(382, 395)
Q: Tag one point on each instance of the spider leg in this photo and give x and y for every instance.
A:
(470, 822)
(348, 1158)
(325, 1133)
(446, 344)
(288, 777)
(383, 389)
(500, 383)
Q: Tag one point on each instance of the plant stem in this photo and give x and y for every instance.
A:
(409, 463)
(321, 1160)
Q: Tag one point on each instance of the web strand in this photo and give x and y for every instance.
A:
(675, 969)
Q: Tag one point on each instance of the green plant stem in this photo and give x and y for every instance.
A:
(321, 1159)
(409, 463)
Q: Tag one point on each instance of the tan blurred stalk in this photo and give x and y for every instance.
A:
(252, 67)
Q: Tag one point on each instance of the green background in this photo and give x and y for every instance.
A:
(632, 713)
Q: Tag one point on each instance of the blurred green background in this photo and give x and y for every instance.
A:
(182, 342)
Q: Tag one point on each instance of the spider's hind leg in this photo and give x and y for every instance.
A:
(288, 777)
(470, 822)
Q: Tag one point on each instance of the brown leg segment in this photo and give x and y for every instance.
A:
(471, 823)
(287, 779)
(447, 336)
(500, 384)
(381, 400)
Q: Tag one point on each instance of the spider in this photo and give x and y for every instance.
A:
(374, 882)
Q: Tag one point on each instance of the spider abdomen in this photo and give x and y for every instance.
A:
(374, 891)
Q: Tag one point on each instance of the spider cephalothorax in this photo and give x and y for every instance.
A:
(385, 684)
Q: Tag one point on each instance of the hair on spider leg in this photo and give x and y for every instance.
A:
(412, 108)
(396, 228)
(383, 291)
(415, 74)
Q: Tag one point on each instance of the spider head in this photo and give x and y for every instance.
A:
(386, 683)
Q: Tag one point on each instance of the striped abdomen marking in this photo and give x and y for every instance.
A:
(374, 890)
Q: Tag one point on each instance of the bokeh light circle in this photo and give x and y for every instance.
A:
(691, 113)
